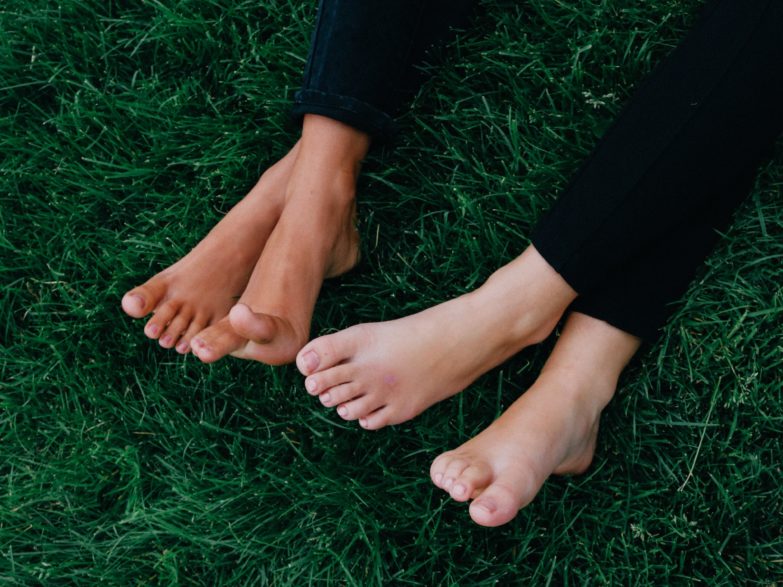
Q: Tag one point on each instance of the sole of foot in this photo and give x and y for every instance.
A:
(386, 373)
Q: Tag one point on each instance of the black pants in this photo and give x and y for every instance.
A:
(643, 212)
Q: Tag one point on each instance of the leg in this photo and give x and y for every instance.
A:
(199, 290)
(687, 142)
(201, 287)
(314, 238)
(363, 57)
(551, 428)
(351, 86)
(386, 373)
(633, 251)
(697, 129)
(346, 79)
(631, 259)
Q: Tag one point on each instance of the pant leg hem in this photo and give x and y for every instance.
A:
(648, 330)
(360, 115)
(558, 262)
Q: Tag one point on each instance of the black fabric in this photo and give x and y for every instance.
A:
(641, 214)
(364, 54)
(638, 219)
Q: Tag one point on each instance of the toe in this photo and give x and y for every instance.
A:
(340, 394)
(280, 350)
(453, 471)
(473, 479)
(196, 325)
(359, 407)
(438, 468)
(216, 342)
(498, 504)
(251, 325)
(327, 351)
(141, 300)
(377, 419)
(157, 324)
(174, 330)
(324, 380)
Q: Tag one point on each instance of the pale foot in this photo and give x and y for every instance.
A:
(387, 373)
(315, 238)
(199, 289)
(552, 428)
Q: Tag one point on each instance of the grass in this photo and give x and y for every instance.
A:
(128, 129)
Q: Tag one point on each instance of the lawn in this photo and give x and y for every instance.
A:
(128, 128)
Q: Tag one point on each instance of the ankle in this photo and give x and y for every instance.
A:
(334, 144)
(589, 389)
(530, 297)
(592, 351)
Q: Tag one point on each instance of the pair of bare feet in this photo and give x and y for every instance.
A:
(295, 228)
(249, 287)
(389, 372)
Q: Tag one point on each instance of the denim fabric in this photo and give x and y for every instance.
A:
(642, 214)
(363, 58)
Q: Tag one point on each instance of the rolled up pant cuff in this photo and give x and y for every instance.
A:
(360, 115)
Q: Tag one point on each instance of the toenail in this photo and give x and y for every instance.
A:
(310, 361)
(363, 423)
(153, 330)
(326, 397)
(200, 349)
(182, 347)
(311, 385)
(342, 410)
(486, 505)
(438, 477)
(459, 489)
(165, 340)
(138, 297)
(448, 483)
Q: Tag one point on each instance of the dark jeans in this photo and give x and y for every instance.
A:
(363, 57)
(643, 212)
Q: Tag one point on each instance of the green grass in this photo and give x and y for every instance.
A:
(128, 128)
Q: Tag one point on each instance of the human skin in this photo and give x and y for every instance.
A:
(272, 251)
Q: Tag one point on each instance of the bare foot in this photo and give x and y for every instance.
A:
(199, 289)
(315, 238)
(552, 428)
(389, 372)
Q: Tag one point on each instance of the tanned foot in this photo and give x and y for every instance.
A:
(387, 373)
(199, 289)
(315, 238)
(552, 428)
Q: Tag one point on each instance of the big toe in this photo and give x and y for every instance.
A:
(254, 326)
(497, 504)
(269, 339)
(327, 351)
(141, 300)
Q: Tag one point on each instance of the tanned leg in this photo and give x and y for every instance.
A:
(314, 238)
(199, 289)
